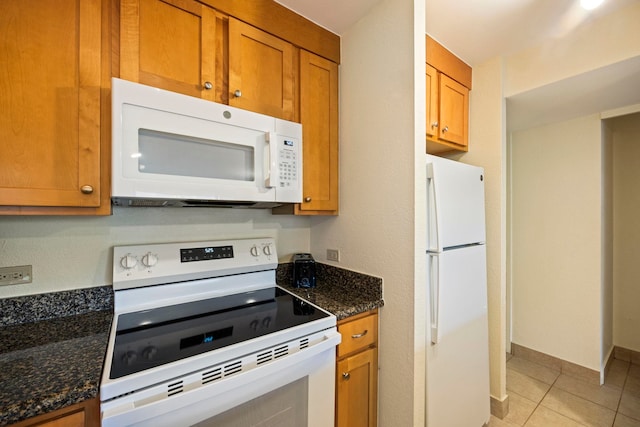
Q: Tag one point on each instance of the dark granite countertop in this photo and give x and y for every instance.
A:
(49, 362)
(342, 292)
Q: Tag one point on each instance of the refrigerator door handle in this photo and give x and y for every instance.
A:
(434, 300)
(432, 204)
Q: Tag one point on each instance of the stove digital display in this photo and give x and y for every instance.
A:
(205, 254)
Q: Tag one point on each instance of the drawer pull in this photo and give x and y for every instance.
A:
(356, 336)
(346, 376)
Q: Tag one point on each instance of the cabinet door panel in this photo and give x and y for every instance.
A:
(319, 118)
(454, 111)
(356, 379)
(50, 99)
(432, 101)
(169, 44)
(261, 68)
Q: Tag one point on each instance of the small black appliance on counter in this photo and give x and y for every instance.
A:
(304, 271)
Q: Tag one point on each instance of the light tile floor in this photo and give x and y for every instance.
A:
(542, 397)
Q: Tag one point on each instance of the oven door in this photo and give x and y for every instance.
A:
(295, 390)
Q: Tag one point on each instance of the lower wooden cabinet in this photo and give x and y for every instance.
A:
(83, 414)
(357, 372)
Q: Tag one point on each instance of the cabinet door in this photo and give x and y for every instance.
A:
(169, 44)
(319, 118)
(356, 383)
(432, 101)
(261, 74)
(50, 98)
(454, 111)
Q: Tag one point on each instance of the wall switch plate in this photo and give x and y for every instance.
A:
(333, 255)
(15, 275)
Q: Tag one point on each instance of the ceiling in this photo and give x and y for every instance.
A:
(477, 31)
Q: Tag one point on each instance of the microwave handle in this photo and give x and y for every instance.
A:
(271, 160)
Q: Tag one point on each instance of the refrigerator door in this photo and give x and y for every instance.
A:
(458, 364)
(455, 204)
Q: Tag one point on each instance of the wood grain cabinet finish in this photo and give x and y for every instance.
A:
(261, 71)
(357, 372)
(319, 118)
(169, 44)
(84, 414)
(448, 82)
(54, 68)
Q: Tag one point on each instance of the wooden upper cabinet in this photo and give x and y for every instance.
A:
(454, 111)
(448, 85)
(261, 71)
(54, 63)
(319, 118)
(432, 102)
(169, 44)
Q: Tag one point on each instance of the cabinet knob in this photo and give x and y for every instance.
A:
(346, 376)
(445, 129)
(208, 86)
(434, 124)
(86, 189)
(307, 199)
(237, 93)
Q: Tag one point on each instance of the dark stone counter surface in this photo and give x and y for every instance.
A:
(52, 346)
(49, 363)
(341, 292)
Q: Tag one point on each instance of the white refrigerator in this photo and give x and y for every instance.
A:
(457, 344)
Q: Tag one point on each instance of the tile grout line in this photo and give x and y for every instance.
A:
(539, 403)
(626, 376)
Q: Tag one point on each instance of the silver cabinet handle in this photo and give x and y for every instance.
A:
(237, 93)
(346, 376)
(356, 336)
(446, 128)
(86, 189)
(208, 85)
(307, 199)
(434, 124)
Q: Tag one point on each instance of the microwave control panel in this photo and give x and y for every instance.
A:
(288, 169)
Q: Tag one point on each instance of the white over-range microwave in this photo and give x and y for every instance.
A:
(176, 150)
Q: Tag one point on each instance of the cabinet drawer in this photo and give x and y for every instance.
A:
(358, 334)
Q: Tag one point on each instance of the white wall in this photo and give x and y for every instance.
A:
(487, 139)
(590, 45)
(72, 253)
(626, 146)
(606, 250)
(382, 191)
(557, 240)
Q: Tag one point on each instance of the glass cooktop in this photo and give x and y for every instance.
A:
(151, 338)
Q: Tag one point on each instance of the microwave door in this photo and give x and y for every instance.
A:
(167, 155)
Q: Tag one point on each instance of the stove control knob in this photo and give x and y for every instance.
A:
(149, 260)
(254, 250)
(128, 261)
(149, 353)
(253, 325)
(129, 358)
(267, 250)
(266, 322)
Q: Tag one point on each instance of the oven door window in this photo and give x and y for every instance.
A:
(283, 407)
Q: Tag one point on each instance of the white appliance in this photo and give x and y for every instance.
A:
(175, 150)
(457, 347)
(202, 336)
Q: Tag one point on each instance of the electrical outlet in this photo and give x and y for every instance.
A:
(333, 255)
(15, 275)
